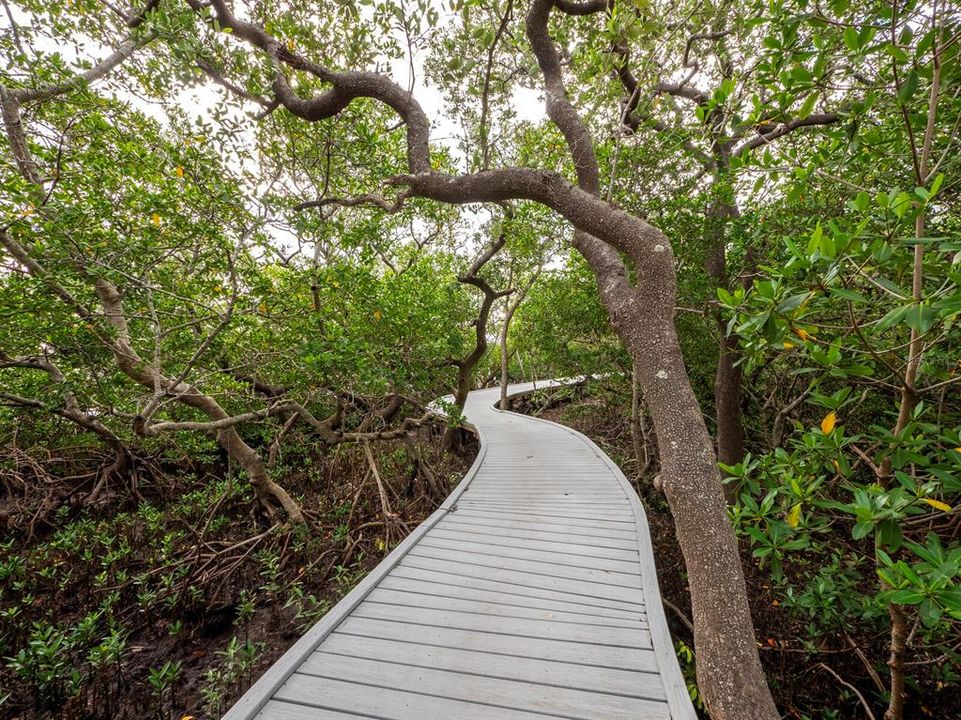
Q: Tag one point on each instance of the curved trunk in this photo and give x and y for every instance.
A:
(729, 672)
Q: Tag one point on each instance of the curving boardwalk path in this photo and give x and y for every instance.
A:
(529, 594)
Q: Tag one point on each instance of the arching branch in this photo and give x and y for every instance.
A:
(781, 129)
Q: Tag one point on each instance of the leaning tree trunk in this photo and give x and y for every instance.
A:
(465, 366)
(728, 666)
(272, 497)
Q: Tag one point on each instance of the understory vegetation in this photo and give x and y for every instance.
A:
(245, 245)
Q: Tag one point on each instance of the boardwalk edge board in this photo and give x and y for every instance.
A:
(264, 690)
(678, 698)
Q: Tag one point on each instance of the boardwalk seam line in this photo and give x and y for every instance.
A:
(410, 691)
(495, 677)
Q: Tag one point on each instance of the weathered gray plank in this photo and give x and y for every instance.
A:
(280, 710)
(577, 590)
(630, 683)
(498, 608)
(499, 692)
(533, 567)
(389, 703)
(549, 519)
(585, 517)
(521, 551)
(605, 538)
(562, 545)
(526, 627)
(549, 507)
(482, 588)
(610, 656)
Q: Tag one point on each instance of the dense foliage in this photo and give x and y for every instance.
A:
(225, 307)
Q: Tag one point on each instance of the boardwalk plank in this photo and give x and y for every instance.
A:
(518, 627)
(557, 543)
(609, 656)
(497, 608)
(389, 703)
(575, 590)
(545, 568)
(521, 551)
(521, 598)
(545, 672)
(532, 596)
(503, 693)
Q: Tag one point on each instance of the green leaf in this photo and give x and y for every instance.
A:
(792, 303)
(846, 294)
(907, 596)
(808, 107)
(920, 317)
(851, 39)
(908, 87)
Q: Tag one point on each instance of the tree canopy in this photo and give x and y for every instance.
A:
(230, 229)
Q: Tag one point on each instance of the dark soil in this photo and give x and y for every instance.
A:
(202, 594)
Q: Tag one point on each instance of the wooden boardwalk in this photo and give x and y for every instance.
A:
(529, 594)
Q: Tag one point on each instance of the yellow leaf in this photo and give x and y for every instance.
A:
(794, 516)
(828, 423)
(180, 171)
(377, 315)
(155, 219)
(187, 717)
(262, 307)
(788, 345)
(943, 507)
(802, 333)
(30, 210)
(380, 544)
(957, 449)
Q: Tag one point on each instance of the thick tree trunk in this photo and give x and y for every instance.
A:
(504, 366)
(728, 668)
(728, 401)
(453, 436)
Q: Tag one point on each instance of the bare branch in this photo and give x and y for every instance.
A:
(782, 129)
(368, 199)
